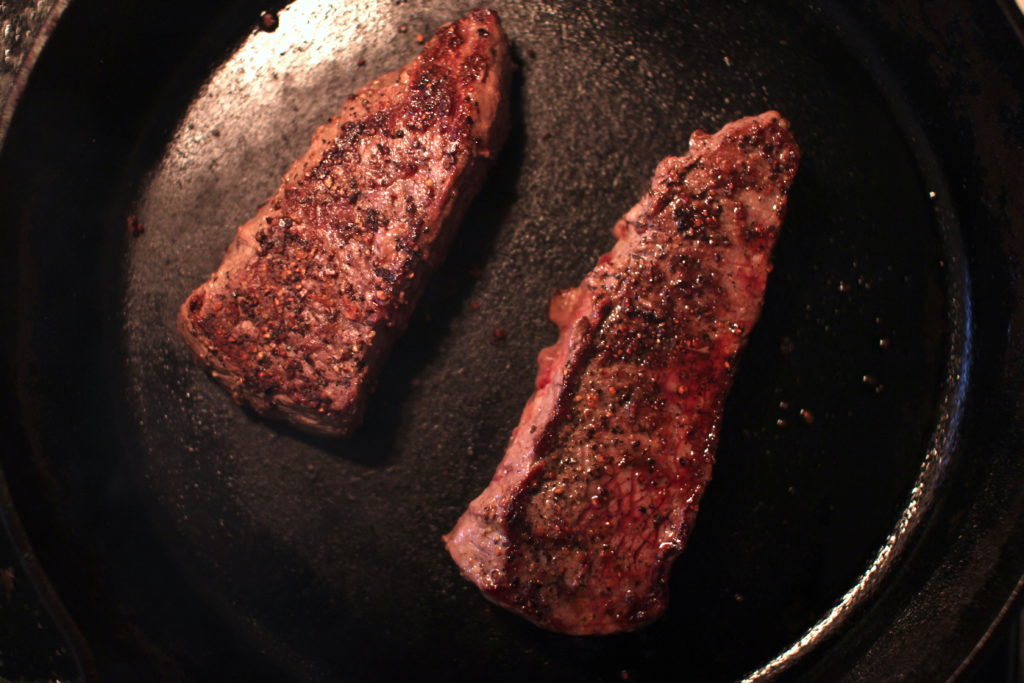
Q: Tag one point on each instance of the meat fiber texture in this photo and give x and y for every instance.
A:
(315, 288)
(599, 487)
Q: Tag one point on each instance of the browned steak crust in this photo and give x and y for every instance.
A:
(600, 485)
(314, 289)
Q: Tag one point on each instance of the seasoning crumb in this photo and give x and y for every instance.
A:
(135, 227)
(7, 581)
(784, 405)
(884, 343)
(807, 416)
(361, 62)
(738, 598)
(780, 422)
(880, 388)
(403, 28)
(499, 335)
(870, 380)
(268, 22)
(420, 39)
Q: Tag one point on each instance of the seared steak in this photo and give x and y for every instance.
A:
(314, 289)
(599, 488)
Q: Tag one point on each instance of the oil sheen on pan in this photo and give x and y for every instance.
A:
(601, 482)
(315, 288)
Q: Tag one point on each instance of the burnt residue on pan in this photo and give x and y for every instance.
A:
(190, 538)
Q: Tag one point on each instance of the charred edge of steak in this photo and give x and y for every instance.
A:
(314, 290)
(600, 485)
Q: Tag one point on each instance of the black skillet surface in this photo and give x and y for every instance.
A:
(876, 534)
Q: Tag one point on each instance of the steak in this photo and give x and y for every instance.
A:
(599, 487)
(315, 288)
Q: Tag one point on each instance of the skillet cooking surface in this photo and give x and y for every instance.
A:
(189, 537)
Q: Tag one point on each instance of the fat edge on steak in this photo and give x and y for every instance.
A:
(599, 487)
(317, 285)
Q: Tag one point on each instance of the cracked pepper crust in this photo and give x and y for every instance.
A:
(315, 288)
(600, 485)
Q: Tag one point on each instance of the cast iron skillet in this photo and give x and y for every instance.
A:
(866, 517)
